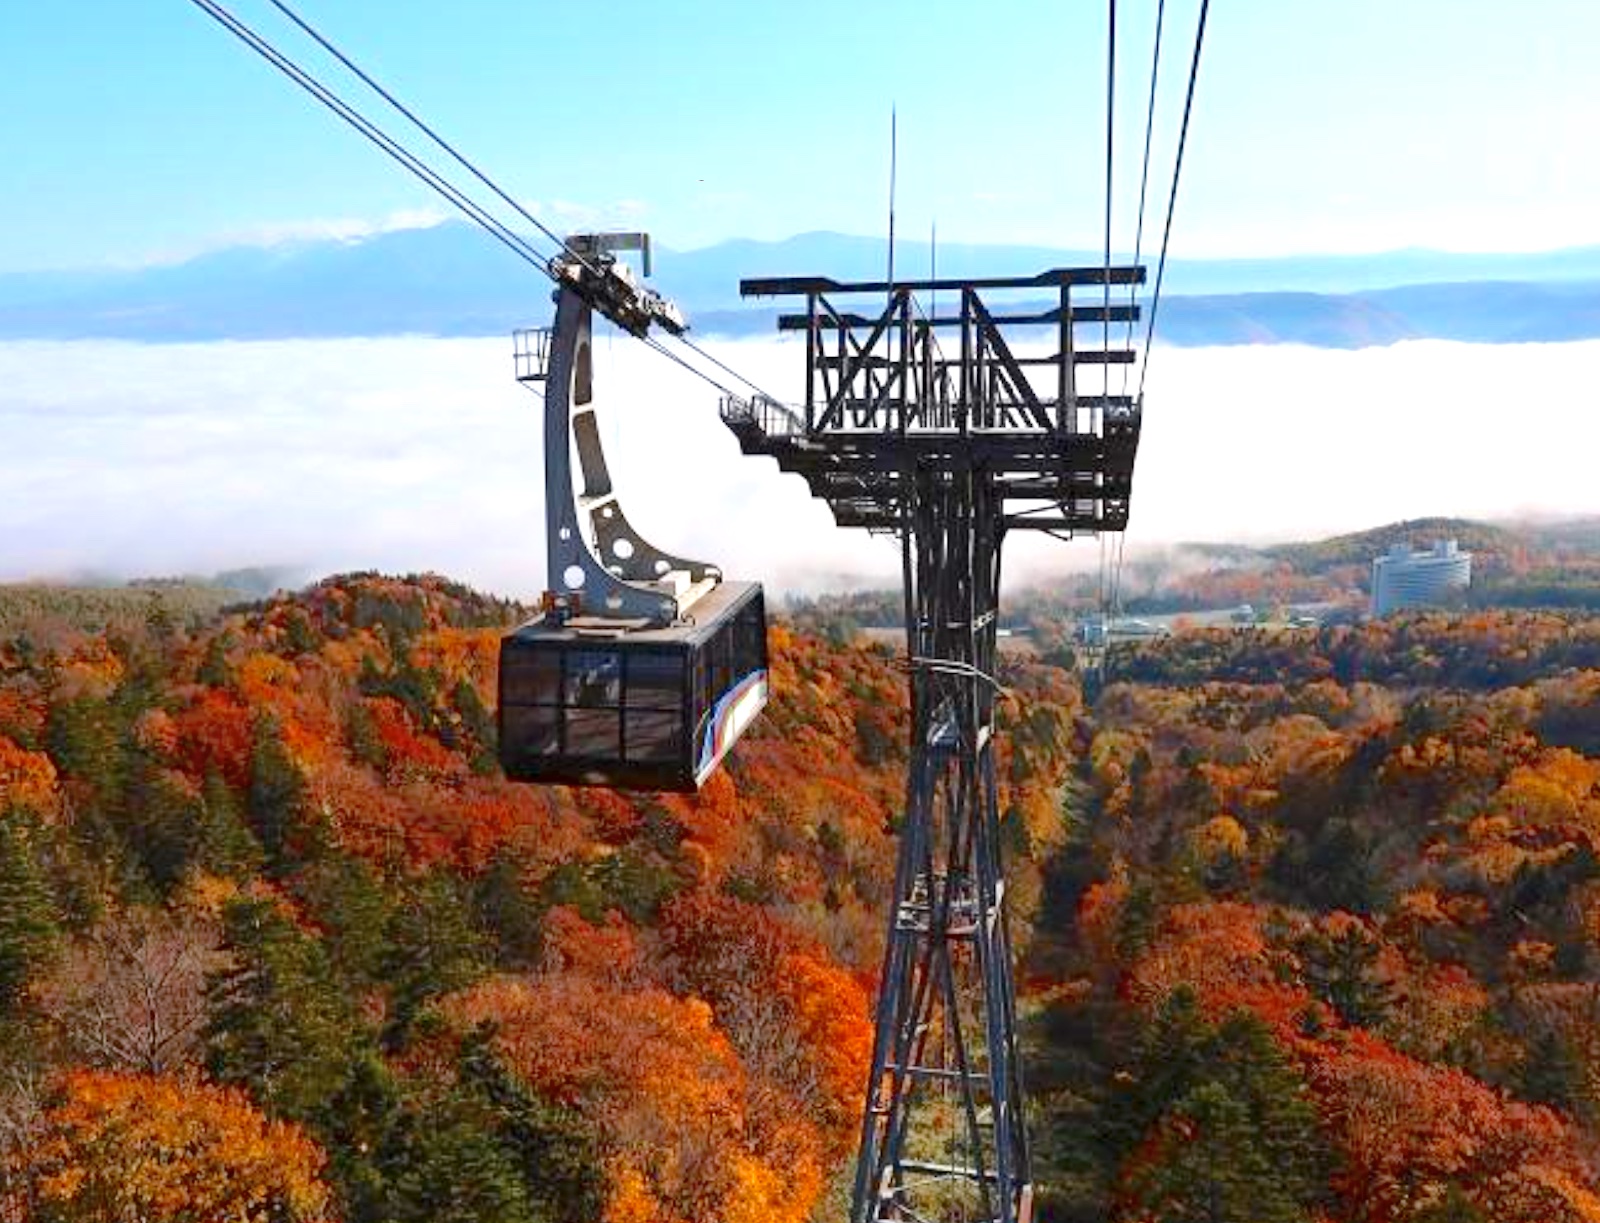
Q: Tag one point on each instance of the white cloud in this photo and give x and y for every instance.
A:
(318, 229)
(1286, 442)
(579, 216)
(406, 454)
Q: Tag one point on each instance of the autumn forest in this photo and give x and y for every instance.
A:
(1309, 918)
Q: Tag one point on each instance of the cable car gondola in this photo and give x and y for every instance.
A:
(649, 709)
(643, 668)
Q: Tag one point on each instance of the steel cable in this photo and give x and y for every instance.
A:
(373, 134)
(1144, 173)
(1105, 322)
(1172, 198)
(471, 168)
(436, 182)
(1183, 137)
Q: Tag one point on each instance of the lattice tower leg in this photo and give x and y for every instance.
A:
(942, 1137)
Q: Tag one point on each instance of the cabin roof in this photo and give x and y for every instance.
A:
(708, 613)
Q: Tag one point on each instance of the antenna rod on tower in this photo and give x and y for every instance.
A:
(893, 152)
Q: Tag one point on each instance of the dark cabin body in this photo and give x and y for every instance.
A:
(586, 702)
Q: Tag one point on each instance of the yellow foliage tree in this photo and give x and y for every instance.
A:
(1221, 837)
(152, 1148)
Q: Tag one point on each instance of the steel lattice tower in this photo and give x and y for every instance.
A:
(949, 452)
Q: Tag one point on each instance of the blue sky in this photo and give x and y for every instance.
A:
(138, 130)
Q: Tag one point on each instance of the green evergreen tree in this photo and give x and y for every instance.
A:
(278, 1021)
(445, 1164)
(509, 914)
(161, 824)
(414, 687)
(224, 843)
(28, 920)
(215, 669)
(1208, 1168)
(1212, 1124)
(1454, 1207)
(555, 1153)
(355, 1126)
(1336, 870)
(478, 721)
(475, 1148)
(346, 898)
(1343, 972)
(158, 620)
(433, 948)
(274, 798)
(1136, 923)
(1552, 1073)
(299, 636)
(143, 681)
(86, 743)
(1169, 1060)
(361, 732)
(1282, 1116)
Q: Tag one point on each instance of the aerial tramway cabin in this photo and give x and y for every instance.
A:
(643, 668)
(646, 709)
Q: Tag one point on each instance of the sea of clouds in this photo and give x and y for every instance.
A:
(410, 454)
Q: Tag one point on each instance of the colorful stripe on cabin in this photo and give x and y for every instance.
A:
(729, 717)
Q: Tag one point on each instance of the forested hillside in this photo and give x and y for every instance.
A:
(275, 934)
(1324, 941)
(1313, 928)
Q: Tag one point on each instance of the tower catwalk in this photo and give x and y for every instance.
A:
(949, 453)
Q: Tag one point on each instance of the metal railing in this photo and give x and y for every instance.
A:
(767, 415)
(531, 352)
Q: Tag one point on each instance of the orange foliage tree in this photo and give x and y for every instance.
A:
(663, 1087)
(119, 1147)
(27, 779)
(1407, 1131)
(214, 734)
(799, 1021)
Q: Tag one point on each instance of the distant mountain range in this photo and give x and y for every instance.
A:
(452, 281)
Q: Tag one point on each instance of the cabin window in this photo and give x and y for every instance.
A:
(652, 736)
(704, 698)
(594, 733)
(655, 680)
(652, 728)
(534, 729)
(593, 679)
(531, 677)
(702, 680)
(720, 648)
(749, 639)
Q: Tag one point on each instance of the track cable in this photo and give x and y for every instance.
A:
(433, 179)
(471, 168)
(1172, 198)
(1166, 234)
(1105, 322)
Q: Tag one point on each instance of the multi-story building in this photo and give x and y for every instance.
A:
(1403, 578)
